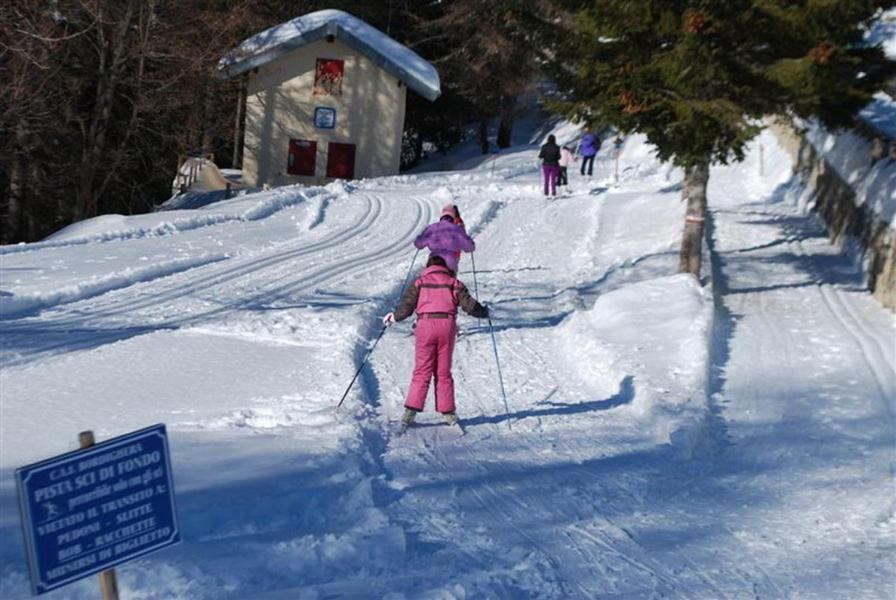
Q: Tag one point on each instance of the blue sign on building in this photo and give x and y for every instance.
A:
(324, 117)
(89, 510)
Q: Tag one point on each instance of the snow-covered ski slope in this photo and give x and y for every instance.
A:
(661, 441)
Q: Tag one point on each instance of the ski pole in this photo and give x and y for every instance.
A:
(494, 343)
(382, 331)
(500, 377)
(407, 276)
(475, 284)
(363, 362)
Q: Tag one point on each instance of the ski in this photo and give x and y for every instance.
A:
(456, 428)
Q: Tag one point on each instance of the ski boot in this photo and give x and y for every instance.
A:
(453, 422)
(407, 419)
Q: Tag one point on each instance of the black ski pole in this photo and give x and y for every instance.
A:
(494, 344)
(363, 362)
(475, 283)
(500, 377)
(382, 331)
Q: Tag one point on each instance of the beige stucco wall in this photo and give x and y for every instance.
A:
(280, 106)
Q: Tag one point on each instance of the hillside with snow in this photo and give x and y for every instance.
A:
(664, 437)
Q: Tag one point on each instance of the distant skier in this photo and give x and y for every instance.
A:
(445, 238)
(435, 296)
(457, 220)
(550, 164)
(460, 223)
(566, 159)
(588, 148)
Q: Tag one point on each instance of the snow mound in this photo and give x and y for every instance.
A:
(657, 332)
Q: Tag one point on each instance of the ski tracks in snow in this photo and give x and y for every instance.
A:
(516, 491)
(290, 274)
(793, 305)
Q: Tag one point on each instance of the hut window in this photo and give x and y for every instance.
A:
(302, 157)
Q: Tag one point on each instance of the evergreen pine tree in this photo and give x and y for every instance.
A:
(698, 76)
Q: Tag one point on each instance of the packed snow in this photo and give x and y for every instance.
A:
(883, 32)
(663, 436)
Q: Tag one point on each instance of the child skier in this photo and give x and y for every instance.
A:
(566, 159)
(445, 238)
(460, 223)
(435, 296)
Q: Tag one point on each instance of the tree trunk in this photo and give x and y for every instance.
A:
(206, 136)
(238, 124)
(418, 147)
(110, 68)
(483, 135)
(694, 193)
(505, 128)
(13, 229)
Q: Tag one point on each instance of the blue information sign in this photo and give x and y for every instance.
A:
(324, 117)
(89, 510)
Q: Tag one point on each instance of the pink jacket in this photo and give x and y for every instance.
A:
(566, 157)
(437, 291)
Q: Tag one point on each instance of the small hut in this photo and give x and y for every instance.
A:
(324, 98)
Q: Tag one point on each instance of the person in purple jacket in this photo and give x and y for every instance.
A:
(588, 147)
(446, 239)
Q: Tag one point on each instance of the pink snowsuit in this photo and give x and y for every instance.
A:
(435, 295)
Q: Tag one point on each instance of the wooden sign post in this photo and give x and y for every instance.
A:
(87, 511)
(108, 579)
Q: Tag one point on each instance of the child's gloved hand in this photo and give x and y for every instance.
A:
(389, 320)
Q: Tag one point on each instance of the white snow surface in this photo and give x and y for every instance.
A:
(663, 437)
(271, 43)
(883, 32)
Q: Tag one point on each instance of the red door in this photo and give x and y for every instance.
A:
(302, 156)
(341, 160)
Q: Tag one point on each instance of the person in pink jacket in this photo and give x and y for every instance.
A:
(435, 296)
(566, 159)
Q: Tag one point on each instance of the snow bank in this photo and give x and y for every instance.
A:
(105, 228)
(883, 32)
(874, 182)
(881, 114)
(656, 331)
(17, 305)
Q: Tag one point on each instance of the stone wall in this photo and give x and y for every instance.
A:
(849, 221)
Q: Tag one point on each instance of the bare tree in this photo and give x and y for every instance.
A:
(98, 98)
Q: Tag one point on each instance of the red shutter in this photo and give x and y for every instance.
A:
(341, 160)
(302, 157)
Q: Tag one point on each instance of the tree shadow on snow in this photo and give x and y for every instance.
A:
(624, 396)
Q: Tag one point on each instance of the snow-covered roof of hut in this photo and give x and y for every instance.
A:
(395, 58)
